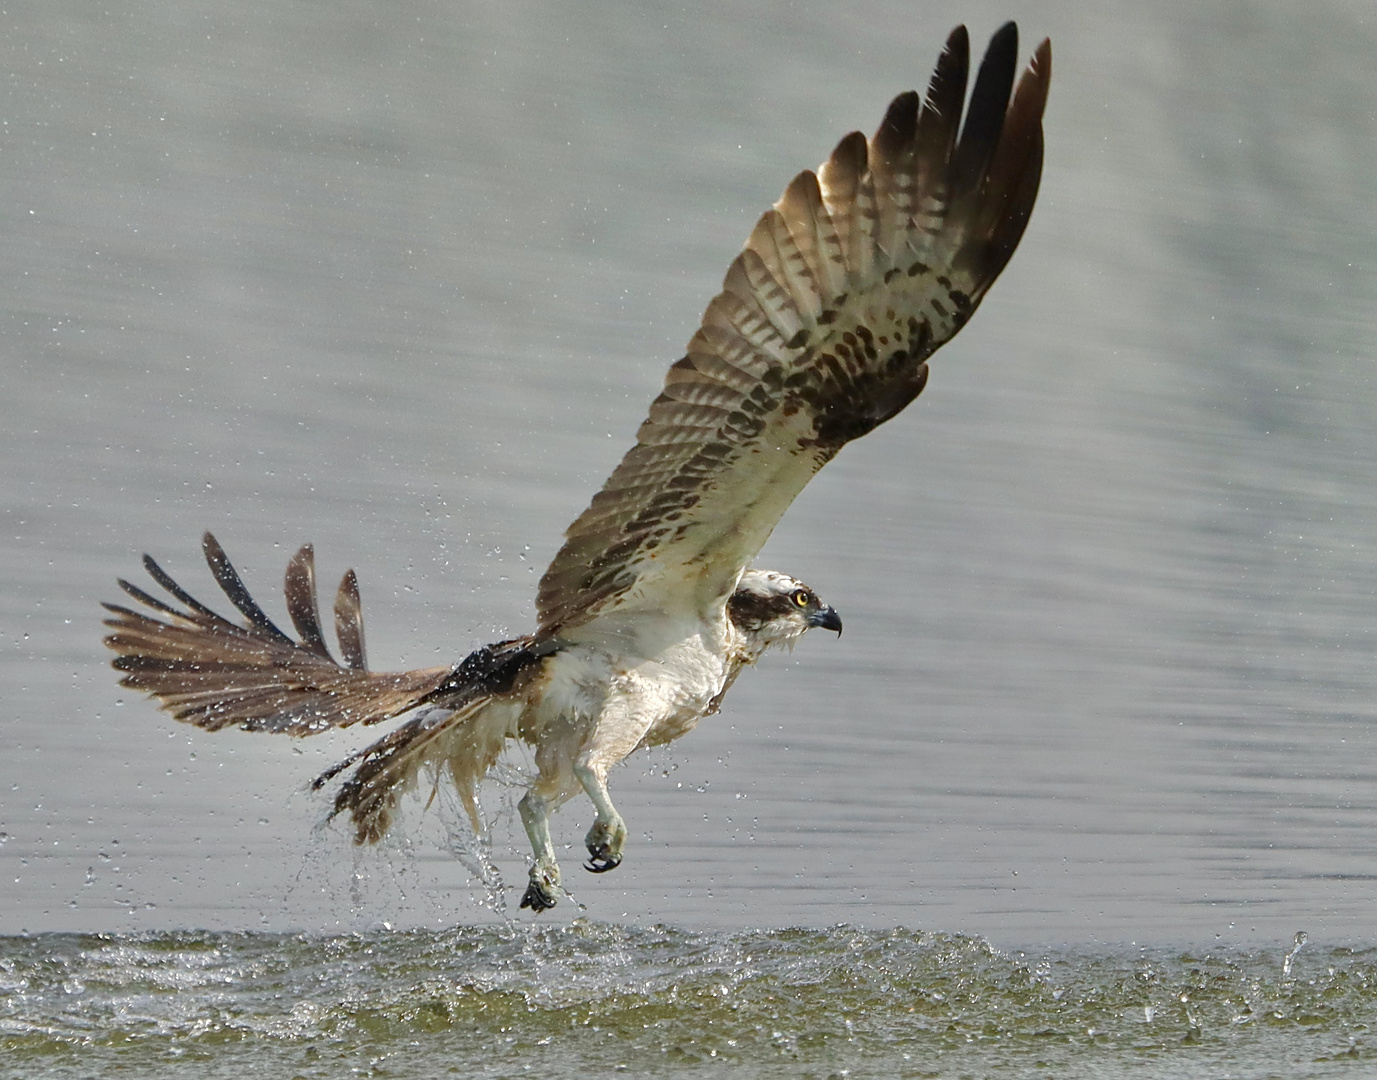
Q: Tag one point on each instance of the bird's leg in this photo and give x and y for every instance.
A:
(551, 787)
(607, 837)
(543, 891)
(627, 715)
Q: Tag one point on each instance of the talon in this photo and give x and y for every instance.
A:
(601, 862)
(537, 898)
(604, 843)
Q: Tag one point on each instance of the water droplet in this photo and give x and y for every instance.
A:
(1299, 943)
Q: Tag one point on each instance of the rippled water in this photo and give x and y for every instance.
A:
(560, 1001)
(400, 280)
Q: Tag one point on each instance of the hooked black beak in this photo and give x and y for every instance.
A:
(827, 618)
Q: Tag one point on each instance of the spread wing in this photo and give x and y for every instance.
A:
(211, 672)
(821, 332)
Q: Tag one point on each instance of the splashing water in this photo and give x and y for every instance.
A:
(1297, 944)
(495, 1002)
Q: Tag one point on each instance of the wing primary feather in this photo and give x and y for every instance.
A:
(143, 598)
(1016, 167)
(941, 116)
(809, 217)
(839, 180)
(163, 578)
(935, 139)
(349, 623)
(893, 168)
(208, 671)
(767, 270)
(797, 227)
(233, 586)
(300, 588)
(894, 137)
(985, 114)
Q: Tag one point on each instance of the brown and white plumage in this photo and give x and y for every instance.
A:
(821, 332)
(214, 673)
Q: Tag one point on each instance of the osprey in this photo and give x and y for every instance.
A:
(650, 610)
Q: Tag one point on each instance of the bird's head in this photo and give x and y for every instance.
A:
(774, 609)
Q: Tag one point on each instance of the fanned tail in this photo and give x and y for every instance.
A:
(391, 766)
(463, 738)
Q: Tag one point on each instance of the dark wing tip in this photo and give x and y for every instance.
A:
(1005, 39)
(349, 623)
(1040, 67)
(958, 42)
(299, 586)
(985, 114)
(947, 86)
(895, 132)
(233, 587)
(1009, 184)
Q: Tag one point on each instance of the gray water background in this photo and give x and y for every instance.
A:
(401, 279)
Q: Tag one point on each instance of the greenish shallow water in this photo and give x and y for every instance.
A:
(598, 998)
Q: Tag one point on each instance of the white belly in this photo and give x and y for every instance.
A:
(679, 691)
(620, 698)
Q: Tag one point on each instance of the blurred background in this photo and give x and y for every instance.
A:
(401, 279)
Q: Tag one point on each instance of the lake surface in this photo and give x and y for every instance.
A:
(651, 1001)
(401, 280)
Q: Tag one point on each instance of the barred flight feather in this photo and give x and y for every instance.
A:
(822, 331)
(214, 673)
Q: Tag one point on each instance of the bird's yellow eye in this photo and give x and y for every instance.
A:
(801, 598)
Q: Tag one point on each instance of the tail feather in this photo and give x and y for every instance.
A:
(447, 741)
(214, 673)
(462, 736)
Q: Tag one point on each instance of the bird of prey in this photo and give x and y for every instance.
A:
(650, 610)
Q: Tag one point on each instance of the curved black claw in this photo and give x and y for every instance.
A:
(601, 862)
(537, 898)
